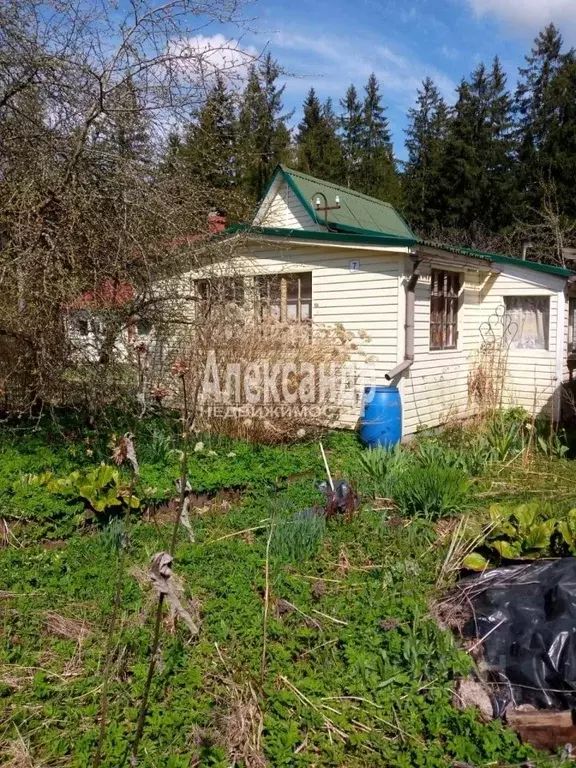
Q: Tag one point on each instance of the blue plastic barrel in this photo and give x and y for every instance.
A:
(381, 423)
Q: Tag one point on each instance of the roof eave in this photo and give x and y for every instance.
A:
(324, 236)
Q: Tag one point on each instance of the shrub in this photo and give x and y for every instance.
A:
(380, 464)
(298, 537)
(434, 491)
(472, 457)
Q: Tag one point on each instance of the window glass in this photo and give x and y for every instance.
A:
(528, 321)
(285, 297)
(444, 297)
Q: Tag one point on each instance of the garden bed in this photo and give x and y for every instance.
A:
(355, 671)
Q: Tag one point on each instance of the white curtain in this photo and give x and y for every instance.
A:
(528, 319)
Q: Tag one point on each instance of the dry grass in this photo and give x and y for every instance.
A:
(192, 605)
(16, 754)
(487, 380)
(67, 628)
(242, 727)
(257, 350)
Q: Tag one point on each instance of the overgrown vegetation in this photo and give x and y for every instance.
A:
(356, 671)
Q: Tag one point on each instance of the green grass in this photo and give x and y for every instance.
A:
(360, 651)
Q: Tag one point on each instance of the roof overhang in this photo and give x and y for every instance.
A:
(337, 239)
(438, 257)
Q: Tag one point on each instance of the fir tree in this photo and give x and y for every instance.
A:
(319, 152)
(557, 150)
(476, 181)
(122, 134)
(426, 133)
(533, 107)
(263, 136)
(351, 125)
(209, 143)
(377, 169)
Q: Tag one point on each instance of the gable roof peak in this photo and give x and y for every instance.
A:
(358, 213)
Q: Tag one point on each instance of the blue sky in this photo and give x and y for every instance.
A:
(328, 44)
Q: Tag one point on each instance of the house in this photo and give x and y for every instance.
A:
(454, 329)
(432, 313)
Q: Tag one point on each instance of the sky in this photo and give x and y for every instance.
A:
(328, 44)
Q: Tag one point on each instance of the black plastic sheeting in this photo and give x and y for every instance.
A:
(527, 617)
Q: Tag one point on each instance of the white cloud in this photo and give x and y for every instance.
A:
(330, 64)
(205, 56)
(528, 14)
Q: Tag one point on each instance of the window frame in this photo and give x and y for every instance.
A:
(221, 287)
(263, 295)
(445, 290)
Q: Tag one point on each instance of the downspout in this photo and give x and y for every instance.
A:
(409, 324)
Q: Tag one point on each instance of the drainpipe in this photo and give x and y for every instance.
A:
(409, 325)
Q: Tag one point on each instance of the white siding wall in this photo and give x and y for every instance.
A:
(372, 301)
(282, 208)
(436, 386)
(364, 301)
(532, 376)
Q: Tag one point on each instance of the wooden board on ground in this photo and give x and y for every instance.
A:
(544, 729)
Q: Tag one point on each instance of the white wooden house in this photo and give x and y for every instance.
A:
(354, 265)
(428, 311)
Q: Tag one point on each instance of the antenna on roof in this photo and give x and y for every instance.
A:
(325, 208)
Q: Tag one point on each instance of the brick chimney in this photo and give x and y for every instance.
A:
(216, 222)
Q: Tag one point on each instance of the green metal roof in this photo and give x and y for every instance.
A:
(358, 214)
(365, 238)
(500, 258)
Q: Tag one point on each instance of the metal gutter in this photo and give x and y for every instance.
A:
(409, 324)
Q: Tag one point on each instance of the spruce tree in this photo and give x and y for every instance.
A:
(534, 108)
(557, 150)
(501, 201)
(209, 144)
(377, 173)
(122, 133)
(476, 181)
(318, 151)
(427, 128)
(263, 135)
(351, 126)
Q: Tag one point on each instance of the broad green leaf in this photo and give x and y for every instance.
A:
(526, 514)
(506, 549)
(505, 529)
(475, 562)
(497, 513)
(87, 491)
(567, 534)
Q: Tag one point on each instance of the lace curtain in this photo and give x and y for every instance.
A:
(529, 320)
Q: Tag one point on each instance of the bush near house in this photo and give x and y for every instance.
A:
(355, 671)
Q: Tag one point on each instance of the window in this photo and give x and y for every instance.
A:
(221, 291)
(528, 320)
(84, 323)
(143, 327)
(80, 323)
(444, 291)
(287, 298)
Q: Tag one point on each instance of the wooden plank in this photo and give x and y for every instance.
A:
(543, 729)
